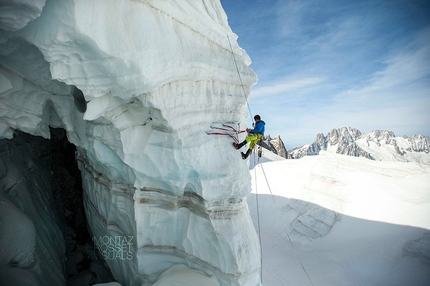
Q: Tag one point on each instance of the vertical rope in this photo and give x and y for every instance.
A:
(240, 78)
(289, 238)
(258, 224)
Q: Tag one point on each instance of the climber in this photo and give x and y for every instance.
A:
(253, 136)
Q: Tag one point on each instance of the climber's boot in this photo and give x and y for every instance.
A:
(245, 155)
(240, 145)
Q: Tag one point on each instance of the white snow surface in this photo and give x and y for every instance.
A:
(136, 84)
(351, 221)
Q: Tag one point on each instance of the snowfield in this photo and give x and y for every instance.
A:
(352, 221)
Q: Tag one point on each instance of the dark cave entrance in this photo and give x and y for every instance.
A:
(67, 186)
(83, 266)
(56, 157)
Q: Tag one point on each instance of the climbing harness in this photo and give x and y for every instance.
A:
(260, 149)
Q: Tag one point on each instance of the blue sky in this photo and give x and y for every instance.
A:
(327, 64)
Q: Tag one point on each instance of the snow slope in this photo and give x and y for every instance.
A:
(352, 221)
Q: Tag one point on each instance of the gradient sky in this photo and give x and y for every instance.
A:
(327, 64)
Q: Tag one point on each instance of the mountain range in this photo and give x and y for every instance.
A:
(380, 145)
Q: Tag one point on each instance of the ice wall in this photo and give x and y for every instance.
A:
(136, 84)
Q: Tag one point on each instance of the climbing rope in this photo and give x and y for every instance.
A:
(258, 225)
(226, 130)
(285, 229)
(240, 78)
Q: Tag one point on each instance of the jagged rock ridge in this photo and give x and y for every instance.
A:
(376, 145)
(276, 145)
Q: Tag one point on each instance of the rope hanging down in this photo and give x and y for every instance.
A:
(240, 78)
(286, 232)
(258, 223)
(226, 129)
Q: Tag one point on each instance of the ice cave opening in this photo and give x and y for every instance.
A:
(53, 181)
(83, 263)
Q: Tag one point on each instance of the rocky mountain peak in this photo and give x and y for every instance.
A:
(351, 141)
(320, 139)
(420, 143)
(381, 135)
(344, 135)
(276, 145)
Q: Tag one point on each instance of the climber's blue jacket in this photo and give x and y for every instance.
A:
(259, 127)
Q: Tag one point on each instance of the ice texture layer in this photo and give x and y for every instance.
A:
(136, 84)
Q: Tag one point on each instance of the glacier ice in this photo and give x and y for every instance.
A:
(135, 84)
